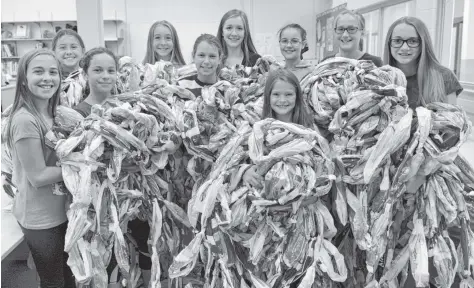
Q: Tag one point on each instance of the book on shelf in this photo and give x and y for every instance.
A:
(8, 50)
(10, 67)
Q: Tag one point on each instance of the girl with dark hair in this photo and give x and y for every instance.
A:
(100, 71)
(163, 44)
(40, 213)
(293, 44)
(236, 41)
(349, 27)
(207, 54)
(69, 49)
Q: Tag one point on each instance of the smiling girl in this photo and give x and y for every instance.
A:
(282, 101)
(349, 28)
(293, 44)
(100, 70)
(207, 55)
(409, 48)
(69, 49)
(40, 213)
(163, 44)
(235, 39)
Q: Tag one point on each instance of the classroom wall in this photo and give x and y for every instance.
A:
(191, 18)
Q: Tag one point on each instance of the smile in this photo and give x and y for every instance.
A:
(46, 86)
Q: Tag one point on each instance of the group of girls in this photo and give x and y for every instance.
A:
(42, 215)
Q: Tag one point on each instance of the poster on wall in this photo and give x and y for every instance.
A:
(325, 42)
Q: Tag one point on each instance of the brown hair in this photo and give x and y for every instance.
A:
(247, 44)
(359, 18)
(65, 32)
(302, 33)
(176, 56)
(300, 115)
(24, 97)
(430, 80)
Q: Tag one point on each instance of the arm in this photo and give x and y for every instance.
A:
(35, 168)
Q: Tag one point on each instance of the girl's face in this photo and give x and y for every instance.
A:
(42, 76)
(405, 54)
(234, 32)
(206, 59)
(102, 73)
(291, 43)
(69, 51)
(348, 41)
(283, 98)
(163, 42)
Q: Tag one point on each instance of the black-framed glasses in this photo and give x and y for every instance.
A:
(293, 42)
(350, 30)
(411, 42)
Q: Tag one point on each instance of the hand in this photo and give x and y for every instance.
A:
(251, 177)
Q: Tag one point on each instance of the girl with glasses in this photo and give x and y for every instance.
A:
(349, 29)
(293, 44)
(236, 41)
(409, 48)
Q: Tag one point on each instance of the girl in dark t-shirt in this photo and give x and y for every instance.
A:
(348, 29)
(409, 48)
(100, 69)
(236, 41)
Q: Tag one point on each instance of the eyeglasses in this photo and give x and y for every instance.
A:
(412, 42)
(293, 42)
(350, 30)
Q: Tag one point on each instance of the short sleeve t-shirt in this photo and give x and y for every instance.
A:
(451, 85)
(34, 208)
(253, 57)
(193, 84)
(83, 108)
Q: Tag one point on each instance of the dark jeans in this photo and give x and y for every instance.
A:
(140, 231)
(47, 249)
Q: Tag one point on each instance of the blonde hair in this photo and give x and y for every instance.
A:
(247, 44)
(24, 97)
(359, 18)
(430, 80)
(176, 56)
(300, 115)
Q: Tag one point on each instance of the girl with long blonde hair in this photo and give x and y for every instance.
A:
(163, 44)
(40, 213)
(408, 46)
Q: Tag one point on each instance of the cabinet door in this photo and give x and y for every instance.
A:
(63, 10)
(8, 11)
(113, 9)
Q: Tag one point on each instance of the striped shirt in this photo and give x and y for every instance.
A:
(193, 84)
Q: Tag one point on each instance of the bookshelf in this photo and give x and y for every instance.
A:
(40, 34)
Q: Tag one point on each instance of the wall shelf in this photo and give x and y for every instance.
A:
(11, 58)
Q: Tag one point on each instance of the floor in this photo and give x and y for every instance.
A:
(16, 274)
